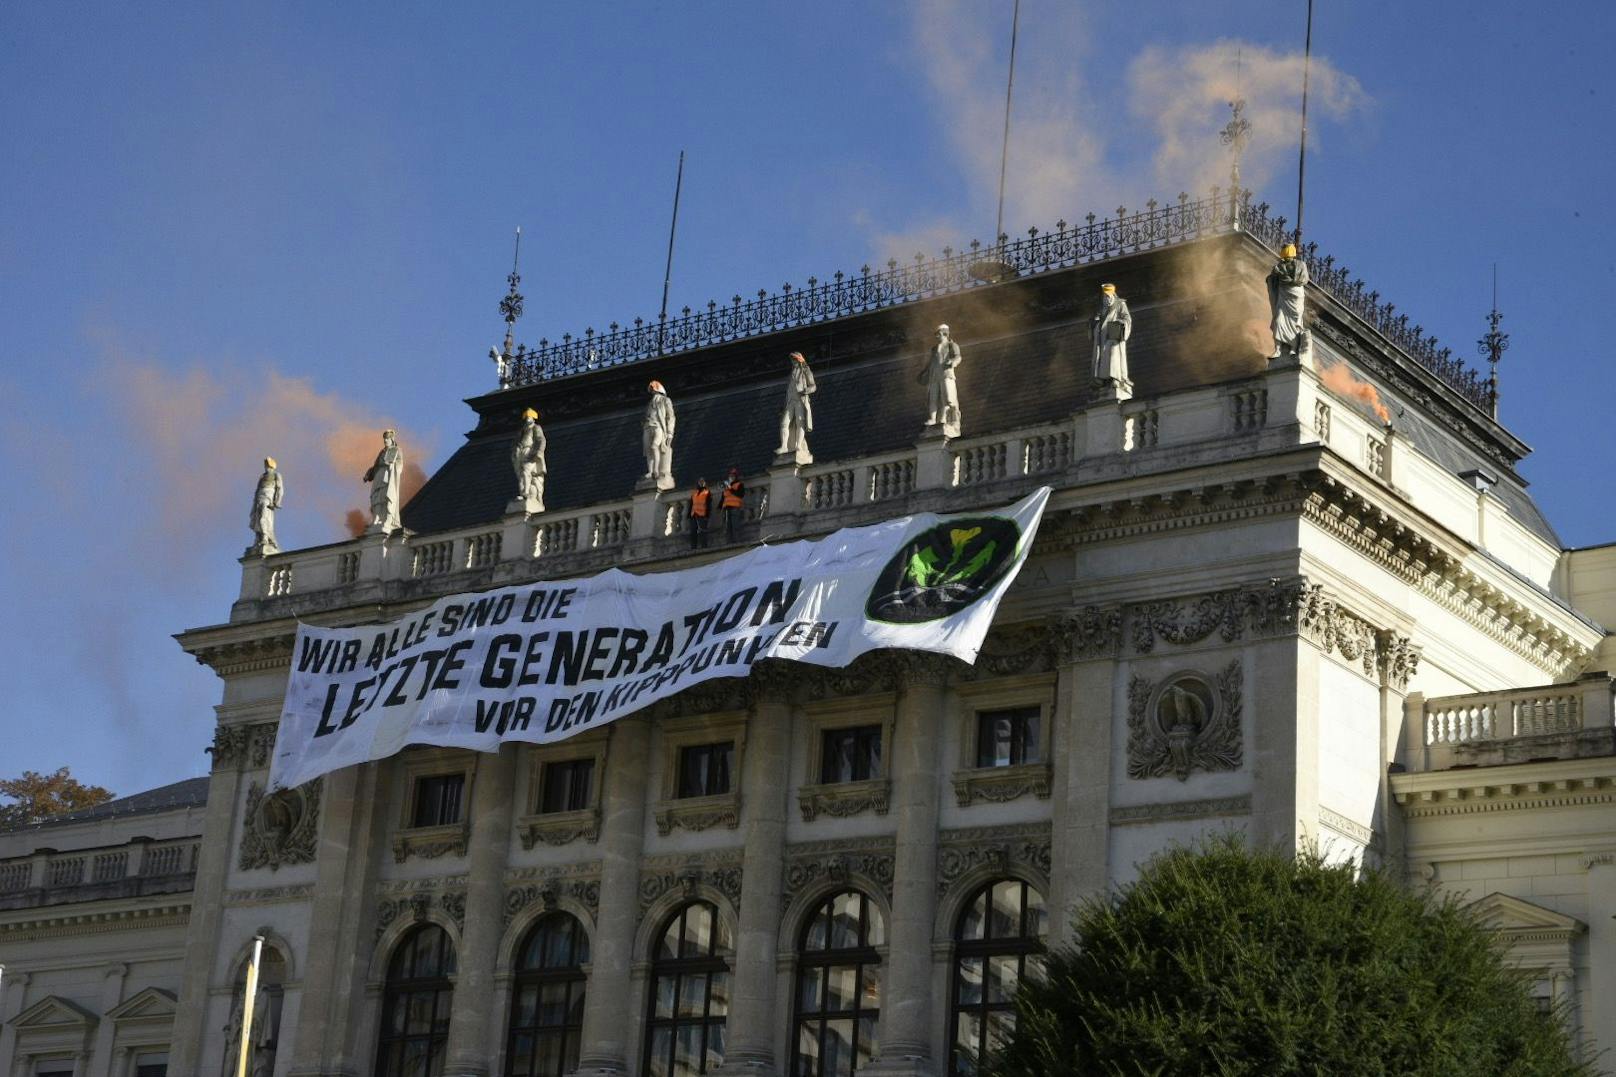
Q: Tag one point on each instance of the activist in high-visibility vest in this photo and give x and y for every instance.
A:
(733, 503)
(700, 503)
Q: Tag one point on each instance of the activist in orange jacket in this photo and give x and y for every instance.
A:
(733, 502)
(701, 500)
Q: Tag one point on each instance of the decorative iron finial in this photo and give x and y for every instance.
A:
(1493, 346)
(510, 307)
(1236, 134)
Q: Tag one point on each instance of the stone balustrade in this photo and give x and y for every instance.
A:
(49, 877)
(1538, 722)
(1279, 409)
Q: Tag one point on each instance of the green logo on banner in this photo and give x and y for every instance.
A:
(943, 570)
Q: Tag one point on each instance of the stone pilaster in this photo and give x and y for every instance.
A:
(337, 956)
(609, 1014)
(1086, 719)
(111, 994)
(764, 804)
(13, 993)
(202, 940)
(1283, 702)
(906, 996)
(1599, 1018)
(473, 1012)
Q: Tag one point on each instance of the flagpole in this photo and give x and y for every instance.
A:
(247, 1007)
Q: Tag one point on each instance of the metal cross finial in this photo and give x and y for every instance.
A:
(510, 307)
(1493, 345)
(1236, 134)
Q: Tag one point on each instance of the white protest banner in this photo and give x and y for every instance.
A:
(543, 661)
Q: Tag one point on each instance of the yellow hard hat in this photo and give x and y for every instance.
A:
(530, 414)
(1288, 251)
(1112, 288)
(269, 462)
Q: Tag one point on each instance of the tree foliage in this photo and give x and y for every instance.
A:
(1222, 960)
(35, 796)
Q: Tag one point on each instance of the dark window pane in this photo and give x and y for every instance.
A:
(566, 785)
(851, 755)
(704, 769)
(437, 799)
(1007, 738)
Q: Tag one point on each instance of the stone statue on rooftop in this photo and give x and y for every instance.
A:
(1287, 286)
(386, 478)
(501, 367)
(942, 396)
(657, 436)
(266, 499)
(797, 420)
(527, 457)
(1112, 325)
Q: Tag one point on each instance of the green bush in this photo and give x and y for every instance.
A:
(1223, 960)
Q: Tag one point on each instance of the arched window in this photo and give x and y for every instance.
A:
(415, 1005)
(689, 994)
(838, 986)
(547, 1004)
(997, 943)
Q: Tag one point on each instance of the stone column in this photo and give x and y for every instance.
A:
(1085, 721)
(764, 800)
(207, 901)
(13, 993)
(1598, 1020)
(609, 1008)
(336, 957)
(471, 1013)
(906, 1010)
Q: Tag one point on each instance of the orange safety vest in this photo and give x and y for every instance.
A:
(698, 502)
(734, 495)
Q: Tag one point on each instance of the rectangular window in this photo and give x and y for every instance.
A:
(1007, 738)
(565, 785)
(850, 755)
(437, 800)
(151, 1064)
(56, 1067)
(704, 769)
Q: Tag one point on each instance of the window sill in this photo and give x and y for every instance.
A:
(699, 813)
(430, 842)
(559, 828)
(998, 785)
(842, 799)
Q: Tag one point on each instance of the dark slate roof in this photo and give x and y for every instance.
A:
(1200, 313)
(1026, 357)
(190, 793)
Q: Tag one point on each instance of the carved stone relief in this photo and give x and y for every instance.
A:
(418, 905)
(688, 874)
(282, 827)
(229, 746)
(549, 892)
(838, 862)
(1186, 722)
(962, 852)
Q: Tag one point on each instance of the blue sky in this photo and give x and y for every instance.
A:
(238, 229)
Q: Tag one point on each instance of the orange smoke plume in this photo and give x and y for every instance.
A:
(203, 430)
(1339, 380)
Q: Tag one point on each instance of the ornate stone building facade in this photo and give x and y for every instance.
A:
(1255, 603)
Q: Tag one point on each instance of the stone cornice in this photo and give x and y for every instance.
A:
(1425, 556)
(1515, 787)
(97, 922)
(241, 649)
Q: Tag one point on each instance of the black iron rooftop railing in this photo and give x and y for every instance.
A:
(1068, 245)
